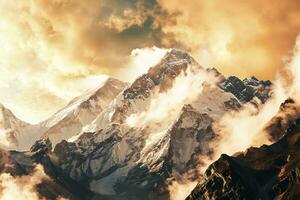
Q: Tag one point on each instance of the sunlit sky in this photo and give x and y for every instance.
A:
(51, 51)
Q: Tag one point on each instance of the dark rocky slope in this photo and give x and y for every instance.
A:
(55, 184)
(267, 172)
(245, 90)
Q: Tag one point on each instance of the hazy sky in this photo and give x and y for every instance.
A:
(53, 50)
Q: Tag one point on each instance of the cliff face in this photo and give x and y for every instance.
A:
(245, 90)
(267, 172)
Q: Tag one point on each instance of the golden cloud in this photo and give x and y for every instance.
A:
(49, 47)
(238, 37)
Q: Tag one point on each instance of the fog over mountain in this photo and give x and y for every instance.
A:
(52, 51)
(160, 137)
(149, 100)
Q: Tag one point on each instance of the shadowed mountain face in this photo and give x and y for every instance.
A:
(247, 89)
(267, 172)
(126, 141)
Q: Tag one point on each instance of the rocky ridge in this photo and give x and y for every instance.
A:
(267, 172)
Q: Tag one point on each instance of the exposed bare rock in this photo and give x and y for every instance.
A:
(247, 89)
(268, 172)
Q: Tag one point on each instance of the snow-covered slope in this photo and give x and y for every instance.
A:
(175, 75)
(10, 128)
(69, 121)
(265, 172)
(81, 111)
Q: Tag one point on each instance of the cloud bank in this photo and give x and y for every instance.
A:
(23, 187)
(50, 48)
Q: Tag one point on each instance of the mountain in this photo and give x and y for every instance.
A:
(123, 141)
(152, 131)
(69, 121)
(10, 128)
(267, 172)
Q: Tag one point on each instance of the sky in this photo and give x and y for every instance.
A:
(51, 51)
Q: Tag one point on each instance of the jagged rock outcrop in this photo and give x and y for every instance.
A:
(245, 90)
(267, 172)
(51, 182)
